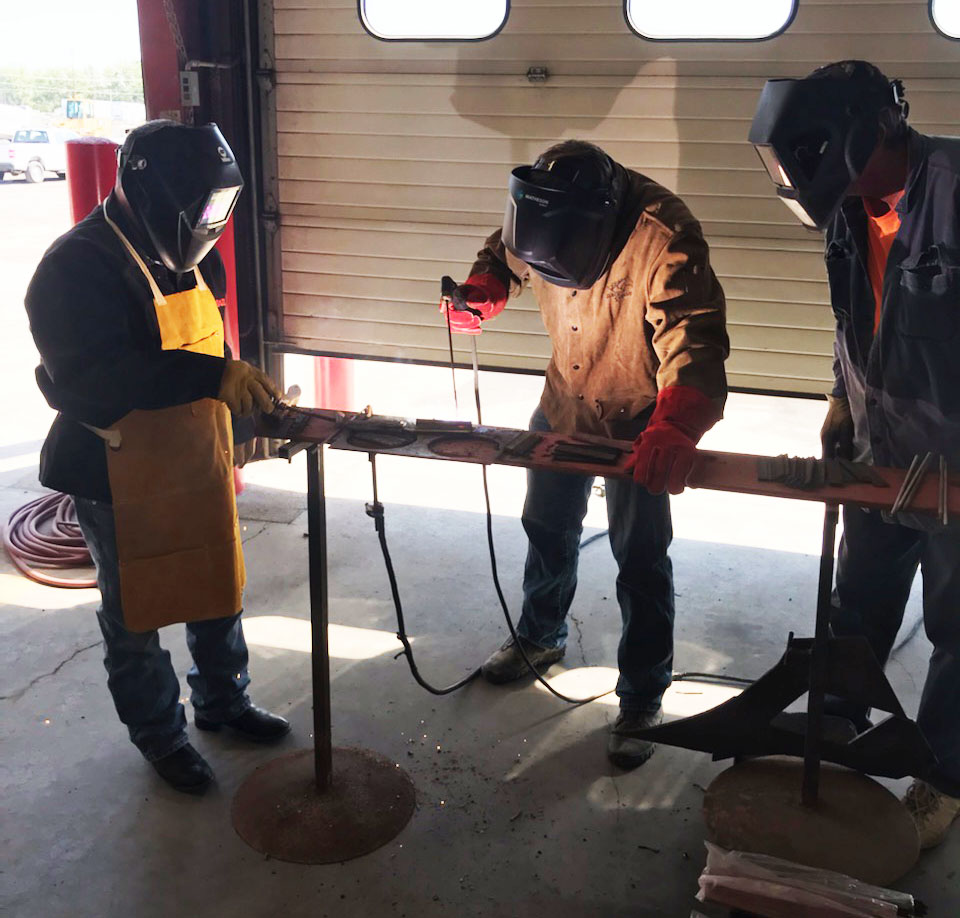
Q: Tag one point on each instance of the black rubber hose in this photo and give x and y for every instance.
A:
(375, 511)
(506, 611)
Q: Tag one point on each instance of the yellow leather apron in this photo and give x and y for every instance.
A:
(171, 476)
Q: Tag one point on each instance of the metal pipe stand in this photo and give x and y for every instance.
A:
(327, 804)
(803, 810)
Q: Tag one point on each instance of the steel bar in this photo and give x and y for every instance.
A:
(910, 489)
(818, 661)
(908, 478)
(731, 472)
(476, 377)
(319, 618)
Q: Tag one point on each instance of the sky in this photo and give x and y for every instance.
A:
(72, 34)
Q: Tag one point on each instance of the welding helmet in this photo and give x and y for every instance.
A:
(816, 135)
(562, 211)
(181, 183)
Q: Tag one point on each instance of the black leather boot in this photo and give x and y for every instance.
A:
(185, 770)
(255, 724)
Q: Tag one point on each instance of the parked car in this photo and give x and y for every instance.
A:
(34, 152)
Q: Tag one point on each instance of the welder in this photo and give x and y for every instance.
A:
(125, 309)
(839, 149)
(621, 272)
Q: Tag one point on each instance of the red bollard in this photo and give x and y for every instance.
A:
(230, 322)
(91, 173)
(334, 382)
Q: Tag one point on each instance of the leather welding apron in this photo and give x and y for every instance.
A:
(171, 477)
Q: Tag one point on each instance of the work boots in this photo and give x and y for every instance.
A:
(185, 770)
(254, 724)
(932, 811)
(507, 663)
(625, 749)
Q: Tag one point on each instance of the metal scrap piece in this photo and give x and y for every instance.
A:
(596, 453)
(523, 444)
(432, 425)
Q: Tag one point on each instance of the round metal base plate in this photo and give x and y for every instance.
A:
(858, 827)
(279, 811)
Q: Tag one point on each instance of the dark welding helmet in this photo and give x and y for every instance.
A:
(181, 183)
(815, 135)
(561, 214)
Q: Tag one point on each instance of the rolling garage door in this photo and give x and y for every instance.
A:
(392, 158)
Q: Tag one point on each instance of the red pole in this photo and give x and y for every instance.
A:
(334, 383)
(231, 325)
(91, 173)
(231, 328)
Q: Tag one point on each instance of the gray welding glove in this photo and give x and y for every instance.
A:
(836, 435)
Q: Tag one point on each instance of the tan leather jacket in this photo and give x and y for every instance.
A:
(655, 319)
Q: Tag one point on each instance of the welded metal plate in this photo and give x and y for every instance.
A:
(858, 827)
(279, 811)
(473, 447)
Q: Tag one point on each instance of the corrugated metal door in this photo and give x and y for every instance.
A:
(393, 158)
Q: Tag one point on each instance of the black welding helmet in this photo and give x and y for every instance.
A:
(562, 211)
(816, 135)
(181, 183)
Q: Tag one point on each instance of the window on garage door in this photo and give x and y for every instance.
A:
(419, 20)
(946, 16)
(706, 20)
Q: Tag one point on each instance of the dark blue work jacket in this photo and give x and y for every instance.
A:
(93, 319)
(903, 383)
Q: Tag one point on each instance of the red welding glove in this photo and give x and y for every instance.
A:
(664, 453)
(484, 296)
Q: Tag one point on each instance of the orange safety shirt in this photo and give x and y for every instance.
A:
(881, 231)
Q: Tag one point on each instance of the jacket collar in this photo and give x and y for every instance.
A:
(918, 148)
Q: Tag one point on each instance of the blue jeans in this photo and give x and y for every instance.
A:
(141, 679)
(875, 569)
(640, 533)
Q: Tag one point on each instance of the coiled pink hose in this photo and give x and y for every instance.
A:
(45, 534)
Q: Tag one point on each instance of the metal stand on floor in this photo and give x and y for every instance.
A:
(840, 820)
(327, 804)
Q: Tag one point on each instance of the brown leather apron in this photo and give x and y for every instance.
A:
(171, 477)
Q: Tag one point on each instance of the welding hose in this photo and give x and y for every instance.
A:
(45, 534)
(375, 511)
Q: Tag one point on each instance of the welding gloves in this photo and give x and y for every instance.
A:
(484, 295)
(243, 387)
(836, 435)
(664, 453)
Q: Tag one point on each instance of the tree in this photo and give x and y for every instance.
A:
(44, 89)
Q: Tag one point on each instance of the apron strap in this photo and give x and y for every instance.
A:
(158, 297)
(111, 436)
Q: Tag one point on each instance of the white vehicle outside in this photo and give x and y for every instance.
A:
(35, 152)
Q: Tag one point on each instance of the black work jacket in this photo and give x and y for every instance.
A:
(903, 383)
(93, 320)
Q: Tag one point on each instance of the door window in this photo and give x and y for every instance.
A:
(450, 20)
(706, 20)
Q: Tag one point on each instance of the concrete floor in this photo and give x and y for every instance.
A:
(518, 812)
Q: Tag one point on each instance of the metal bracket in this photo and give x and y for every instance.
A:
(538, 74)
(266, 77)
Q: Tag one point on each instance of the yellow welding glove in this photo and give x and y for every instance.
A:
(243, 387)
